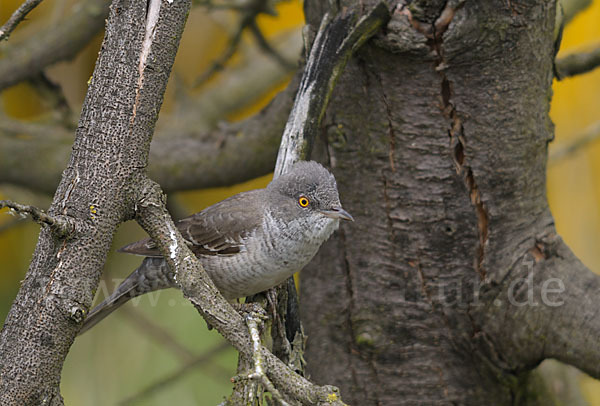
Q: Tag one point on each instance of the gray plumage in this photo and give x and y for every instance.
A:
(247, 243)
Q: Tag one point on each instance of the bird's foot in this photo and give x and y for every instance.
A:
(252, 308)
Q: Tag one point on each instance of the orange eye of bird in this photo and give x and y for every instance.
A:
(303, 201)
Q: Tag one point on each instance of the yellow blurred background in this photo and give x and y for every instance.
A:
(129, 352)
(574, 181)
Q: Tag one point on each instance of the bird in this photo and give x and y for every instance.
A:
(247, 243)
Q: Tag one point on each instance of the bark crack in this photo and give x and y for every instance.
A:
(456, 133)
(152, 15)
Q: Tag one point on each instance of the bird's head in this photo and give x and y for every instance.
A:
(309, 191)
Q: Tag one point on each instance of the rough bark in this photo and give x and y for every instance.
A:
(437, 135)
(109, 154)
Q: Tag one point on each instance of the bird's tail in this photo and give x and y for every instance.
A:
(153, 274)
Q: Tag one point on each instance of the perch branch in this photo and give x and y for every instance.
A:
(259, 374)
(17, 17)
(200, 290)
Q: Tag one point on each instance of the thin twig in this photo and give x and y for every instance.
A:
(267, 48)
(161, 335)
(219, 63)
(577, 63)
(17, 17)
(591, 134)
(53, 95)
(176, 375)
(249, 12)
(61, 225)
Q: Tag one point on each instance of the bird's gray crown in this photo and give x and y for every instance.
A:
(310, 179)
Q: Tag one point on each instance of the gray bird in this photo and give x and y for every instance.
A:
(247, 243)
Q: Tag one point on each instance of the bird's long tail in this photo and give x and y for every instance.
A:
(153, 274)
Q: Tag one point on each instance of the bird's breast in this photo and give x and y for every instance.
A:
(273, 252)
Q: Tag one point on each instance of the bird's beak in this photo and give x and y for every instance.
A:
(338, 213)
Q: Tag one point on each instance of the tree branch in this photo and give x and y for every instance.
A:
(62, 226)
(577, 63)
(58, 43)
(334, 44)
(548, 309)
(572, 316)
(17, 17)
(573, 7)
(183, 156)
(591, 134)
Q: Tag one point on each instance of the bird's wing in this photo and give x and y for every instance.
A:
(220, 229)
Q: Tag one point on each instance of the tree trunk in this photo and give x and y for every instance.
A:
(437, 134)
(96, 193)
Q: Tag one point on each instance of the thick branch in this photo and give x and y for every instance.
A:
(571, 316)
(181, 157)
(58, 43)
(17, 17)
(333, 46)
(548, 309)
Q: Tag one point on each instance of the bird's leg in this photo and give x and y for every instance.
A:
(248, 308)
(272, 301)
